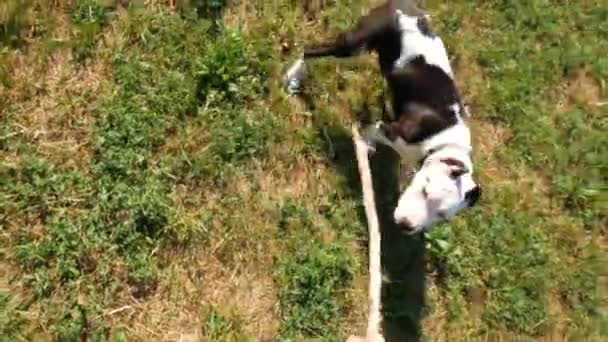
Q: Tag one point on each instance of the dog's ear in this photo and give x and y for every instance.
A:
(472, 196)
(456, 167)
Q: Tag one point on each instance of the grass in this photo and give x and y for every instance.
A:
(157, 184)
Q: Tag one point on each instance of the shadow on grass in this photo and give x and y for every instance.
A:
(402, 256)
(205, 9)
(13, 27)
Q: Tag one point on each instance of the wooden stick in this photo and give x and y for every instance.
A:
(375, 268)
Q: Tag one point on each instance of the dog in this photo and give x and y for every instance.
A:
(427, 127)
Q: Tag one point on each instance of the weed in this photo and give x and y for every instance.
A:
(210, 9)
(216, 327)
(11, 319)
(310, 277)
(309, 282)
(128, 210)
(526, 312)
(583, 291)
(88, 19)
(226, 74)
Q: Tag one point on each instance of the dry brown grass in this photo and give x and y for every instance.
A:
(555, 310)
(470, 78)
(53, 103)
(196, 281)
(201, 277)
(231, 271)
(434, 324)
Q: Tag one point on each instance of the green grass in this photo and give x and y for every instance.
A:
(217, 327)
(310, 271)
(155, 181)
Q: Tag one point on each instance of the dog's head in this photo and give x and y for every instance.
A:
(439, 190)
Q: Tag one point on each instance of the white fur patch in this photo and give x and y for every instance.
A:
(415, 43)
(457, 135)
(456, 109)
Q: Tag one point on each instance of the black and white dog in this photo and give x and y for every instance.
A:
(428, 128)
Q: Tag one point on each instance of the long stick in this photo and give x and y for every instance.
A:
(375, 270)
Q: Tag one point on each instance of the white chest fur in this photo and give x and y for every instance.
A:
(457, 135)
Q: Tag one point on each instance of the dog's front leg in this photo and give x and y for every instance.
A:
(370, 133)
(374, 134)
(346, 44)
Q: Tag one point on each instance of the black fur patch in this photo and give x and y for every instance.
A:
(422, 96)
(425, 27)
(472, 196)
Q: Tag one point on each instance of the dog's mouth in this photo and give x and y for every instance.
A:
(410, 232)
(407, 228)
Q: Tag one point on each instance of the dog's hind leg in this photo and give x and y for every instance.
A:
(346, 44)
(356, 40)
(367, 30)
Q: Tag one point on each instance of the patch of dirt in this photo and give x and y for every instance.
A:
(6, 270)
(476, 298)
(582, 89)
(488, 137)
(469, 77)
(534, 190)
(285, 30)
(193, 283)
(292, 178)
(252, 296)
(242, 186)
(558, 318)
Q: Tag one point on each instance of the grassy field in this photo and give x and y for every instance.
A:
(157, 184)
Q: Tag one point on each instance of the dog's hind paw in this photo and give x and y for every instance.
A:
(292, 79)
